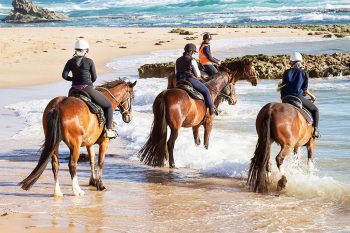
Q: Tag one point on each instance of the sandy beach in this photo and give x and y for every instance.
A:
(138, 198)
(32, 56)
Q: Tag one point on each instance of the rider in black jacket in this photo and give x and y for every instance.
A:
(83, 76)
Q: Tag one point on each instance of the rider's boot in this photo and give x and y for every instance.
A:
(315, 134)
(213, 111)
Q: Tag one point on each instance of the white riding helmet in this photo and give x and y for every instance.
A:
(296, 57)
(81, 44)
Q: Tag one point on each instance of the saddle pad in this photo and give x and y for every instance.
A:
(190, 90)
(94, 108)
(307, 115)
(296, 103)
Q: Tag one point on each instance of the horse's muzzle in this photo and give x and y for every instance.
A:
(127, 118)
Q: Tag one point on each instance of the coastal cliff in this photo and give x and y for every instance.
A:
(27, 12)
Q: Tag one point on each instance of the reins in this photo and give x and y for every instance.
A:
(126, 98)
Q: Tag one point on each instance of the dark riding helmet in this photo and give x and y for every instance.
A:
(207, 36)
(190, 48)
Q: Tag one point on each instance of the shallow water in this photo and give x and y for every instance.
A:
(202, 191)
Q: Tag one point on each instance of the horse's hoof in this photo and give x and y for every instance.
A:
(206, 147)
(92, 182)
(172, 166)
(282, 183)
(100, 186)
(58, 195)
(198, 143)
(80, 193)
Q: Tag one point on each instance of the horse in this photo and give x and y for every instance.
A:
(176, 109)
(228, 94)
(69, 119)
(284, 124)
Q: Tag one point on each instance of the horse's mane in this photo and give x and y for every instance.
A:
(114, 83)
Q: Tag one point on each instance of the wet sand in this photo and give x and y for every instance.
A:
(144, 199)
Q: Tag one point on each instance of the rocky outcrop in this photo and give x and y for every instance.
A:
(27, 12)
(157, 70)
(270, 67)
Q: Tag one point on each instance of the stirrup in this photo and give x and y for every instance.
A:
(111, 133)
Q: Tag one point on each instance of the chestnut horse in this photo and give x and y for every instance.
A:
(69, 119)
(176, 109)
(228, 94)
(284, 124)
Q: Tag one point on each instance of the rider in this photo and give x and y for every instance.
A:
(295, 82)
(84, 75)
(186, 68)
(205, 57)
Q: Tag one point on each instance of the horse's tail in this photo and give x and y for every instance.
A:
(154, 152)
(52, 140)
(257, 177)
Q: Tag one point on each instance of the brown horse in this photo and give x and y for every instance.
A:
(69, 119)
(176, 109)
(228, 94)
(285, 125)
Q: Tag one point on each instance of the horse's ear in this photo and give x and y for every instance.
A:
(132, 84)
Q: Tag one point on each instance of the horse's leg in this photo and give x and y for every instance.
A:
(286, 150)
(91, 152)
(101, 158)
(296, 152)
(171, 142)
(310, 151)
(208, 125)
(268, 171)
(55, 166)
(197, 139)
(74, 156)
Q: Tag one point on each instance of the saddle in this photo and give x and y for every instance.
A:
(94, 108)
(296, 103)
(187, 86)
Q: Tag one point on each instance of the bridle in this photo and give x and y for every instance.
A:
(227, 86)
(248, 75)
(120, 104)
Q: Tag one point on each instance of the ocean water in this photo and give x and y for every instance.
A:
(233, 139)
(170, 13)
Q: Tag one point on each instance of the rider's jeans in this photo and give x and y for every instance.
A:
(311, 107)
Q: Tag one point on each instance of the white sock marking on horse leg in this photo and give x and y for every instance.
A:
(58, 192)
(282, 169)
(310, 165)
(76, 188)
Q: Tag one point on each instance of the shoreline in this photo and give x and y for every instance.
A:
(40, 53)
(141, 198)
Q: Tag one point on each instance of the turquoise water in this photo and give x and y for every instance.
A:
(151, 13)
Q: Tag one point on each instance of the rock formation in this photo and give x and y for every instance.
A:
(27, 12)
(270, 67)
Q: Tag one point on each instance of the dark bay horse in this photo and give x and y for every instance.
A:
(176, 109)
(69, 119)
(285, 125)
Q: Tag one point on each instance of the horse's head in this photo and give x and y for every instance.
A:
(121, 94)
(229, 94)
(125, 106)
(241, 70)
